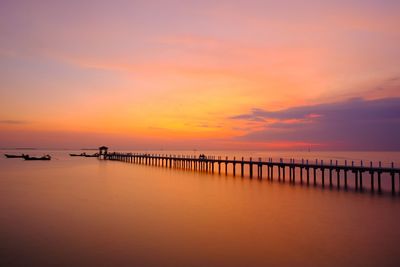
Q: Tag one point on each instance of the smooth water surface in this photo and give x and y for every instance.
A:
(89, 212)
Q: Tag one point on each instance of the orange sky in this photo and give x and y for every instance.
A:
(166, 74)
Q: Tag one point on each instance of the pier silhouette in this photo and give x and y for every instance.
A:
(307, 172)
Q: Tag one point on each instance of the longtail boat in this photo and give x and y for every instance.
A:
(78, 155)
(47, 157)
(14, 156)
(92, 156)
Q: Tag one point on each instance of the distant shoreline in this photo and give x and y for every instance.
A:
(202, 150)
(50, 149)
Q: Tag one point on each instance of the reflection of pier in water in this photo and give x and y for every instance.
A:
(330, 175)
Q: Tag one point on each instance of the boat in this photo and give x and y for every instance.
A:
(92, 156)
(14, 156)
(47, 157)
(78, 155)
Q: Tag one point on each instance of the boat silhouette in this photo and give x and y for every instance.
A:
(46, 157)
(14, 156)
(78, 155)
(92, 156)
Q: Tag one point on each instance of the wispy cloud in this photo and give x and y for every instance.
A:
(190, 40)
(13, 122)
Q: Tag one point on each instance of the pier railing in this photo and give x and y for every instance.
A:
(330, 174)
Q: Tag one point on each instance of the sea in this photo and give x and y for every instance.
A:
(75, 211)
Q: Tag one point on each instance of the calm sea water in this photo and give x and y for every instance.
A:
(88, 212)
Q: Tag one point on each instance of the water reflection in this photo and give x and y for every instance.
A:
(85, 212)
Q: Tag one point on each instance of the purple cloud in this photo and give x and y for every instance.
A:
(354, 124)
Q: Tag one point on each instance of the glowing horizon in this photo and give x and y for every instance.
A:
(161, 74)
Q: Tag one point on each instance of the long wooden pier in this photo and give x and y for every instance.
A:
(330, 174)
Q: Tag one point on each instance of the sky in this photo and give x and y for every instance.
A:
(203, 74)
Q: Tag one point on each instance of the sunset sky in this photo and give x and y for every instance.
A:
(200, 74)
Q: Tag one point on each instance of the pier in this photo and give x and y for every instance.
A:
(303, 172)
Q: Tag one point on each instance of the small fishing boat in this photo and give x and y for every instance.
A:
(92, 156)
(14, 156)
(78, 155)
(47, 157)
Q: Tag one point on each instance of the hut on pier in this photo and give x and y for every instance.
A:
(103, 151)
